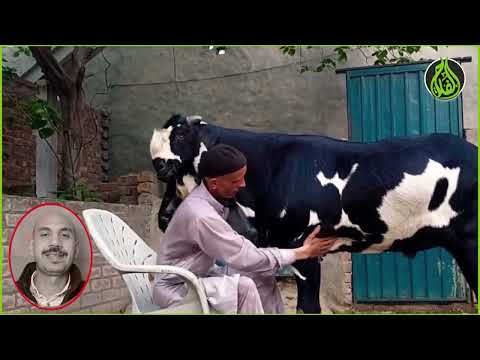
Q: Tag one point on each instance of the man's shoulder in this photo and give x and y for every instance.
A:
(27, 272)
(193, 203)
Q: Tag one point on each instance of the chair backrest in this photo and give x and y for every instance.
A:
(122, 247)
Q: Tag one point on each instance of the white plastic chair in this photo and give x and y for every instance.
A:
(134, 259)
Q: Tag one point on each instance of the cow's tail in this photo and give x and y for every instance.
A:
(296, 272)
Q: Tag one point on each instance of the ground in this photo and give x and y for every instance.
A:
(288, 289)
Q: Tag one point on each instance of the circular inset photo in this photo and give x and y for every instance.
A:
(50, 256)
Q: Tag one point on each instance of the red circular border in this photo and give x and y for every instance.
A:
(10, 263)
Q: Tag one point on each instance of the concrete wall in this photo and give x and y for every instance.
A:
(263, 90)
(106, 291)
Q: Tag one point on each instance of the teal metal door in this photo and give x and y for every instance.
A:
(386, 102)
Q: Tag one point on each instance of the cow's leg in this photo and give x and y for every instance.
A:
(467, 260)
(463, 245)
(168, 206)
(464, 248)
(308, 300)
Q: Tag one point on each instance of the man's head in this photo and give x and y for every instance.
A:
(55, 244)
(223, 169)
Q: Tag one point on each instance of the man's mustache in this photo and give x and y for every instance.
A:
(58, 250)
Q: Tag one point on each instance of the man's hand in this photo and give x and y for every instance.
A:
(314, 247)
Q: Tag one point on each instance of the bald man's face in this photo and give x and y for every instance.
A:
(229, 185)
(54, 244)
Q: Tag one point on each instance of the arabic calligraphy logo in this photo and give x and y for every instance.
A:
(444, 79)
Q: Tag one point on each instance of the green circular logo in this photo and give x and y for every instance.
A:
(444, 79)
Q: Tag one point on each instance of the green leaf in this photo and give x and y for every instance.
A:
(38, 123)
(342, 55)
(45, 132)
(434, 48)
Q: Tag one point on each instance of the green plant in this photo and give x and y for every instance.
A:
(382, 55)
(78, 192)
(65, 81)
(44, 118)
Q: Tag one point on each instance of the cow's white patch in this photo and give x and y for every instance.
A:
(405, 208)
(313, 220)
(203, 123)
(296, 272)
(184, 190)
(283, 213)
(340, 185)
(160, 145)
(341, 241)
(246, 210)
(345, 221)
(299, 237)
(197, 159)
(336, 180)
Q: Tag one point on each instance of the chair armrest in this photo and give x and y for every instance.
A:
(169, 269)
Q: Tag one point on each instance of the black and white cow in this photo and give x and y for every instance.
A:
(400, 194)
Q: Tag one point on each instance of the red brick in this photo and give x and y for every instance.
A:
(8, 302)
(100, 284)
(148, 187)
(90, 299)
(111, 294)
(117, 282)
(108, 270)
(96, 272)
(12, 219)
(147, 177)
(8, 286)
(131, 200)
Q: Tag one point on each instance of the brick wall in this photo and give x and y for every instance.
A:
(18, 138)
(19, 142)
(94, 162)
(130, 188)
(106, 290)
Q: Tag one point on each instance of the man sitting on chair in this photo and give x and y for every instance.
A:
(198, 235)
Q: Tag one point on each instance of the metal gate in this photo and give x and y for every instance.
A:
(389, 101)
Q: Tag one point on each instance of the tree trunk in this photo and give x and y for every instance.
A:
(72, 106)
(67, 83)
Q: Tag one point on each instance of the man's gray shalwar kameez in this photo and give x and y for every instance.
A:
(196, 237)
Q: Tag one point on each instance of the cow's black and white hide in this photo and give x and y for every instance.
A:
(400, 194)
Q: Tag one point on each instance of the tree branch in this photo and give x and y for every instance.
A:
(51, 68)
(366, 57)
(54, 152)
(79, 58)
